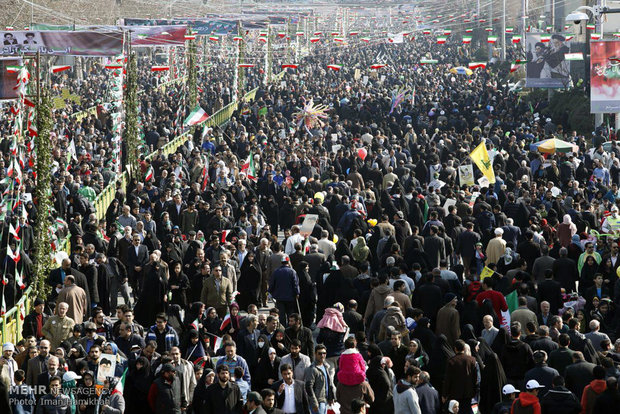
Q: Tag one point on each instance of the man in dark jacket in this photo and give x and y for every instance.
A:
(284, 287)
(579, 374)
(541, 372)
(461, 380)
(165, 396)
(609, 401)
(296, 331)
(559, 400)
(223, 396)
(550, 291)
(428, 397)
(298, 397)
(516, 357)
(34, 321)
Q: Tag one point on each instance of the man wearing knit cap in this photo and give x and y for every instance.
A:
(448, 319)
(8, 366)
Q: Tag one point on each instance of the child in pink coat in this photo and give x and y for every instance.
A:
(351, 365)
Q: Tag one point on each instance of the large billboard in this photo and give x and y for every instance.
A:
(199, 26)
(547, 66)
(61, 43)
(605, 76)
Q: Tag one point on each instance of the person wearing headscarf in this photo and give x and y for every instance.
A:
(249, 282)
(379, 381)
(332, 331)
(566, 230)
(192, 348)
(417, 353)
(360, 251)
(233, 327)
(178, 284)
(279, 341)
(267, 370)
(199, 398)
(442, 351)
(151, 299)
(212, 322)
(137, 384)
(425, 335)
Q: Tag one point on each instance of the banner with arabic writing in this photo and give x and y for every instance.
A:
(61, 43)
(605, 76)
(198, 26)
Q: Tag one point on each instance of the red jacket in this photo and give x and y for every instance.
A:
(590, 394)
(526, 404)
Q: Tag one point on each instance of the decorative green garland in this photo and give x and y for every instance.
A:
(131, 136)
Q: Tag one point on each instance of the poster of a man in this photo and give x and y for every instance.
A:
(9, 39)
(107, 366)
(547, 66)
(30, 39)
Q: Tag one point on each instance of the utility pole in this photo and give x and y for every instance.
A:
(503, 29)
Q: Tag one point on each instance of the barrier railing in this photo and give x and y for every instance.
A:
(11, 323)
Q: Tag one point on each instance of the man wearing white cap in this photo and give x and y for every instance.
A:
(612, 222)
(8, 366)
(496, 247)
(527, 403)
(510, 393)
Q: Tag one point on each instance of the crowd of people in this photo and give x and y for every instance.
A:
(394, 302)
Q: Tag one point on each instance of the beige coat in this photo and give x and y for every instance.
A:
(448, 323)
(495, 250)
(57, 329)
(76, 298)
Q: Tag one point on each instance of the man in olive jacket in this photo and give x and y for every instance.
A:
(315, 378)
(217, 292)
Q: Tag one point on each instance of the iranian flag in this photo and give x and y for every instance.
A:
(281, 35)
(338, 39)
(516, 39)
(120, 385)
(149, 174)
(469, 30)
(289, 65)
(237, 38)
(510, 29)
(573, 56)
(3, 309)
(334, 67)
(20, 282)
(426, 31)
(214, 38)
(195, 324)
(15, 255)
(197, 116)
(488, 29)
(515, 65)
(262, 39)
(353, 33)
(13, 232)
(314, 39)
(595, 36)
(476, 65)
(300, 33)
(616, 34)
(160, 68)
(447, 32)
(224, 235)
(29, 103)
(590, 26)
(545, 38)
(248, 168)
(491, 39)
(318, 33)
(378, 66)
(441, 40)
(366, 39)
(60, 68)
(205, 173)
(466, 39)
(245, 65)
(13, 69)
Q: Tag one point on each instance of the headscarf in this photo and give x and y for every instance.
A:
(576, 240)
(333, 320)
(360, 251)
(451, 405)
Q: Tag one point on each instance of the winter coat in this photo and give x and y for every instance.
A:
(526, 404)
(351, 367)
(560, 400)
(406, 399)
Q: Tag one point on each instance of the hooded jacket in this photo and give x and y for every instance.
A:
(375, 301)
(559, 400)
(394, 319)
(526, 404)
(590, 394)
(405, 399)
(352, 367)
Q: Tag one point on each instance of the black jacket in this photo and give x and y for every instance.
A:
(220, 400)
(578, 376)
(559, 400)
(301, 398)
(29, 326)
(516, 359)
(543, 374)
(168, 398)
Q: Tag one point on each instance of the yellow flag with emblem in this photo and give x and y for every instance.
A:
(481, 158)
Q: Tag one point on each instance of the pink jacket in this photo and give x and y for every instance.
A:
(352, 367)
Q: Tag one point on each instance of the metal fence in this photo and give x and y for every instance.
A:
(11, 323)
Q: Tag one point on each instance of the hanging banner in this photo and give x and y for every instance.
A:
(8, 78)
(605, 76)
(547, 66)
(62, 43)
(198, 26)
(141, 36)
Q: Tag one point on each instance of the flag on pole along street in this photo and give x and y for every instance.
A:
(481, 158)
(197, 116)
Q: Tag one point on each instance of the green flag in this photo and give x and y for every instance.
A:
(511, 301)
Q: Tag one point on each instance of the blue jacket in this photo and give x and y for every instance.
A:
(284, 284)
(238, 361)
(171, 338)
(428, 398)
